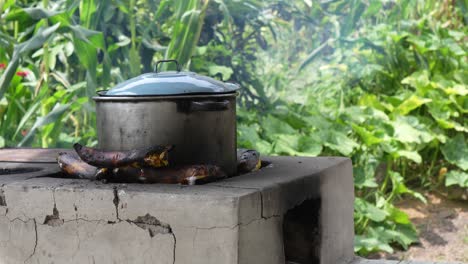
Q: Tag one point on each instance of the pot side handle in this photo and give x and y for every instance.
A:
(209, 106)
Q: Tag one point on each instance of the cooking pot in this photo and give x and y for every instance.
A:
(195, 113)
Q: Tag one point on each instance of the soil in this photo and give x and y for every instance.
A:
(443, 230)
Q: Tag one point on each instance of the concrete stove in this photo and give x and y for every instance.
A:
(298, 210)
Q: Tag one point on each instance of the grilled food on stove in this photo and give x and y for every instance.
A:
(248, 160)
(187, 175)
(74, 167)
(156, 156)
(146, 166)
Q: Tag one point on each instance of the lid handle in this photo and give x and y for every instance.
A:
(161, 61)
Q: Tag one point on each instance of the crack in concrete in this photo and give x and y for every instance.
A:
(54, 218)
(152, 224)
(174, 250)
(116, 202)
(261, 205)
(146, 222)
(237, 225)
(35, 241)
(2, 197)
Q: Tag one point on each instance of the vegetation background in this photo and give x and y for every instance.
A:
(383, 82)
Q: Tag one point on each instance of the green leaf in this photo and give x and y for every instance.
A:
(363, 177)
(455, 151)
(51, 117)
(135, 62)
(87, 9)
(272, 125)
(406, 133)
(366, 136)
(410, 104)
(405, 235)
(248, 137)
(33, 43)
(314, 54)
(418, 80)
(35, 13)
(399, 187)
(309, 145)
(340, 142)
(374, 7)
(398, 216)
(455, 177)
(370, 244)
(411, 155)
(89, 36)
(286, 144)
(457, 89)
(225, 72)
(369, 210)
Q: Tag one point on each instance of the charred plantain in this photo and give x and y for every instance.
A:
(248, 160)
(156, 156)
(72, 166)
(187, 175)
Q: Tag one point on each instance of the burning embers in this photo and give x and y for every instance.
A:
(148, 165)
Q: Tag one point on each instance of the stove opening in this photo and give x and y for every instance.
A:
(301, 232)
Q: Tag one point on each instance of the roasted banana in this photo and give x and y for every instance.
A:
(248, 160)
(156, 156)
(186, 175)
(72, 166)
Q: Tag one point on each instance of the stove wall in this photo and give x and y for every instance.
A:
(238, 220)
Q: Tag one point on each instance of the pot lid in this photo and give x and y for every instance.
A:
(170, 83)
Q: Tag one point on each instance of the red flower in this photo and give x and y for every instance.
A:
(22, 73)
(2, 65)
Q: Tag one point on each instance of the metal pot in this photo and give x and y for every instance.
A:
(195, 113)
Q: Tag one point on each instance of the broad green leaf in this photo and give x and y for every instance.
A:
(248, 137)
(455, 177)
(409, 130)
(455, 151)
(286, 144)
(370, 244)
(410, 104)
(309, 145)
(449, 124)
(364, 178)
(366, 136)
(411, 155)
(398, 216)
(369, 210)
(272, 125)
(406, 235)
(458, 89)
(418, 80)
(340, 142)
(371, 100)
